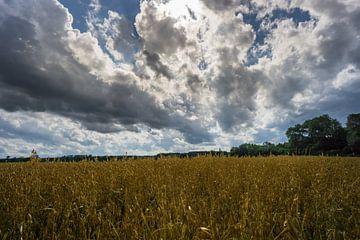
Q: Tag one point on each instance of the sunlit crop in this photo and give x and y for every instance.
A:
(174, 198)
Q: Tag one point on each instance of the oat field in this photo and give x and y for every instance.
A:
(173, 198)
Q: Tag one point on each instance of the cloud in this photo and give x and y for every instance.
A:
(305, 60)
(116, 32)
(73, 79)
(221, 5)
(152, 27)
(236, 88)
(54, 135)
(181, 74)
(194, 82)
(154, 62)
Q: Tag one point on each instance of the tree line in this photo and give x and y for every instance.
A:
(320, 135)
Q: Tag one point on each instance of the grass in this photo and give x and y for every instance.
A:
(198, 198)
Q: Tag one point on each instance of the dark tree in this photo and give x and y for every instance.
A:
(265, 149)
(317, 135)
(353, 132)
(298, 138)
(325, 133)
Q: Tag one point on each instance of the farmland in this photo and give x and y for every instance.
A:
(182, 198)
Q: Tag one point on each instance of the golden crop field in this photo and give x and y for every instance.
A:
(173, 198)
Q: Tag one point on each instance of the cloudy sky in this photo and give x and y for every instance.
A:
(114, 76)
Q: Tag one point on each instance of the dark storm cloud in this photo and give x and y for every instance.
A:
(341, 43)
(29, 81)
(355, 19)
(154, 62)
(335, 47)
(284, 89)
(101, 127)
(235, 88)
(355, 56)
(355, 52)
(195, 133)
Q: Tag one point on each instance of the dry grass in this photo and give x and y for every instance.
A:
(199, 198)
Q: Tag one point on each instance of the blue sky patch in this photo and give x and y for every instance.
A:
(79, 9)
(296, 14)
(126, 8)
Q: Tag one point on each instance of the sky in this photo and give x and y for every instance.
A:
(109, 77)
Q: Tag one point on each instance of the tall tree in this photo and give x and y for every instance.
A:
(320, 134)
(298, 138)
(325, 133)
(353, 132)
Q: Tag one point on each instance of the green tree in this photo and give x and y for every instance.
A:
(325, 133)
(298, 138)
(320, 134)
(353, 132)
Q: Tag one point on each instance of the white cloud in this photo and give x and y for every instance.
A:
(348, 76)
(183, 80)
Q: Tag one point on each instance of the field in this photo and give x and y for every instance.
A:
(173, 198)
